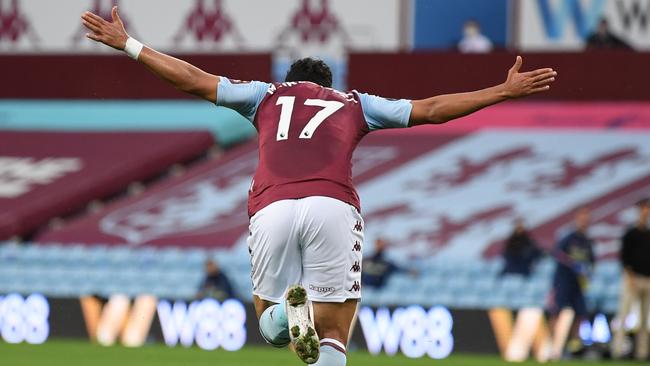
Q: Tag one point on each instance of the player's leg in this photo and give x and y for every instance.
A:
(261, 305)
(331, 252)
(642, 346)
(333, 322)
(560, 323)
(625, 304)
(552, 308)
(579, 306)
(275, 261)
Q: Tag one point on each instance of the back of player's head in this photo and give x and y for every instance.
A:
(309, 69)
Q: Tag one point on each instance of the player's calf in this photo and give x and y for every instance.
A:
(332, 353)
(333, 321)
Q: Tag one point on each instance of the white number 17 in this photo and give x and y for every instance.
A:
(329, 107)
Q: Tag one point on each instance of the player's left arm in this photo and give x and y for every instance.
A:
(560, 253)
(182, 75)
(444, 108)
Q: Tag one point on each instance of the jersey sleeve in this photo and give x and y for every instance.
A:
(242, 97)
(383, 113)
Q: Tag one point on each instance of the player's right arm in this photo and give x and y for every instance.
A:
(180, 74)
(383, 113)
(444, 108)
(625, 258)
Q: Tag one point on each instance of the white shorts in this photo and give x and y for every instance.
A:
(313, 241)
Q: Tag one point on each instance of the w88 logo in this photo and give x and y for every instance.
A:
(413, 330)
(207, 322)
(24, 320)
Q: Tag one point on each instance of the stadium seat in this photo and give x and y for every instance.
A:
(369, 296)
(121, 256)
(399, 280)
(74, 270)
(389, 298)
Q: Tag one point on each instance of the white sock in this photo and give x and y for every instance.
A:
(332, 353)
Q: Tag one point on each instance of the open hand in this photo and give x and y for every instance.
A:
(526, 83)
(109, 33)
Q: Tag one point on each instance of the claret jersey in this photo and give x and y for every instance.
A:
(307, 134)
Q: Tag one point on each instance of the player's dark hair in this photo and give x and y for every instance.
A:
(309, 69)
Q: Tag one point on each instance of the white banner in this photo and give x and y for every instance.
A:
(204, 26)
(566, 24)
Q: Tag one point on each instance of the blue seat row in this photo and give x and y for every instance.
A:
(74, 270)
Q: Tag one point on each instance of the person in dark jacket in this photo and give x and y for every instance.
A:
(377, 268)
(603, 38)
(215, 284)
(520, 252)
(635, 259)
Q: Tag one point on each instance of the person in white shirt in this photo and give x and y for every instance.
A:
(473, 40)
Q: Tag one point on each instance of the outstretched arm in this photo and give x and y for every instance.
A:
(443, 108)
(180, 74)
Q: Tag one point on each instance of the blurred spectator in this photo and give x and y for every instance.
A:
(603, 38)
(215, 284)
(377, 269)
(473, 40)
(635, 258)
(520, 252)
(575, 259)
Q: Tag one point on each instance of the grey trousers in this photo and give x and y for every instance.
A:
(629, 295)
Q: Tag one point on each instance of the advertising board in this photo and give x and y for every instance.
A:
(566, 24)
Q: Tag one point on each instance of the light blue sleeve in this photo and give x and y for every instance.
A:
(385, 113)
(243, 98)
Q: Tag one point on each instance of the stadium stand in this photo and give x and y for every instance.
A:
(157, 242)
(77, 270)
(53, 174)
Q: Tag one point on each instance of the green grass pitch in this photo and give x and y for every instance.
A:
(80, 353)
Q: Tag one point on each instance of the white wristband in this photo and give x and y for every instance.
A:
(133, 48)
